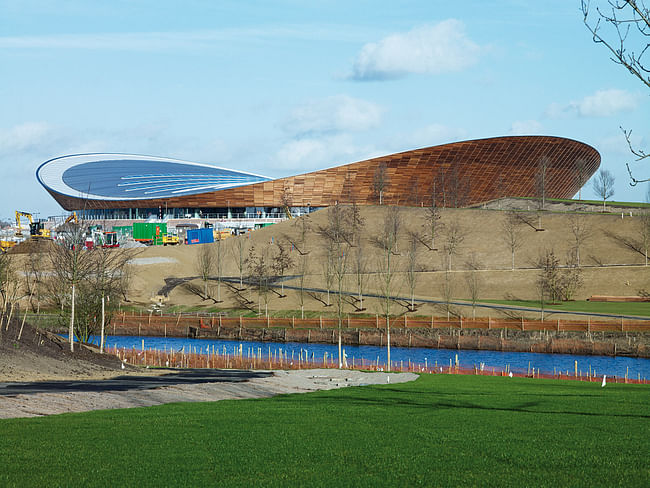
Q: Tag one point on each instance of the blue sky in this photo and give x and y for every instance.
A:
(284, 87)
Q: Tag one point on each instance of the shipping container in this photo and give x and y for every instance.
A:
(149, 232)
(199, 236)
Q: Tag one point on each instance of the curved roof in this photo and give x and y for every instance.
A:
(455, 174)
(133, 177)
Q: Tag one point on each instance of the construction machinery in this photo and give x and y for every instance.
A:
(6, 245)
(37, 228)
(72, 217)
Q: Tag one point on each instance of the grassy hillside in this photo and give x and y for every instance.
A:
(610, 266)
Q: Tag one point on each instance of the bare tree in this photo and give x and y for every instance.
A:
(260, 274)
(447, 290)
(303, 270)
(283, 261)
(386, 242)
(644, 233)
(337, 234)
(239, 255)
(548, 279)
(412, 267)
(303, 225)
(511, 233)
(453, 239)
(360, 270)
(604, 185)
(71, 264)
(623, 27)
(380, 182)
(205, 266)
(33, 274)
(431, 224)
(580, 232)
(541, 181)
(473, 280)
(582, 175)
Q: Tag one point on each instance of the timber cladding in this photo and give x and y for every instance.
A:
(456, 174)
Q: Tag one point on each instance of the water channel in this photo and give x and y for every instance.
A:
(516, 361)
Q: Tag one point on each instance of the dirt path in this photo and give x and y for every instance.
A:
(40, 404)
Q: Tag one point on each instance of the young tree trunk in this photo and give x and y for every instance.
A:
(388, 341)
(71, 330)
(101, 341)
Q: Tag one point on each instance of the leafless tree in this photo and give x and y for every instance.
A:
(33, 274)
(9, 287)
(303, 226)
(303, 270)
(380, 182)
(205, 266)
(338, 235)
(412, 266)
(431, 224)
(541, 181)
(447, 290)
(71, 264)
(512, 234)
(604, 185)
(571, 279)
(473, 280)
(623, 27)
(644, 233)
(286, 200)
(458, 189)
(283, 261)
(259, 266)
(580, 232)
(454, 237)
(386, 242)
(239, 256)
(360, 270)
(582, 175)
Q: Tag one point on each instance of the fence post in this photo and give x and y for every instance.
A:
(522, 323)
(432, 321)
(489, 325)
(377, 320)
(320, 321)
(621, 324)
(558, 325)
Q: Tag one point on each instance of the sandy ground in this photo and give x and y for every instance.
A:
(40, 404)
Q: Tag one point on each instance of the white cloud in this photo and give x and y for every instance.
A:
(525, 127)
(25, 137)
(438, 48)
(436, 134)
(334, 114)
(603, 103)
(310, 154)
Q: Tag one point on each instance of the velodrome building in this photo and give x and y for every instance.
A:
(121, 186)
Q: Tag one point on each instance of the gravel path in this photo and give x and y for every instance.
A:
(294, 381)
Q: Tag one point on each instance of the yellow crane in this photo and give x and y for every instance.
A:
(37, 228)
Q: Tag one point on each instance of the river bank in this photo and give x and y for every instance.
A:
(600, 343)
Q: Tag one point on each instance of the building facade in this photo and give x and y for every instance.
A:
(455, 175)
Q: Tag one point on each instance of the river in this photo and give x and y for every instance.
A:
(516, 361)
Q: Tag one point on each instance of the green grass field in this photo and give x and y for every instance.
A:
(438, 431)
(641, 309)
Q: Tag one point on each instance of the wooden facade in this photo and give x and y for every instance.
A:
(457, 174)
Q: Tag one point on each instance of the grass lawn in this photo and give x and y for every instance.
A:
(438, 431)
(632, 308)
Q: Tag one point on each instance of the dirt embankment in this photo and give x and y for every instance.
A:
(634, 344)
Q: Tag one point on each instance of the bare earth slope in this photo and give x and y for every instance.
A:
(610, 266)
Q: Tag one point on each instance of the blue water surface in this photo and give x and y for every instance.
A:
(516, 361)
